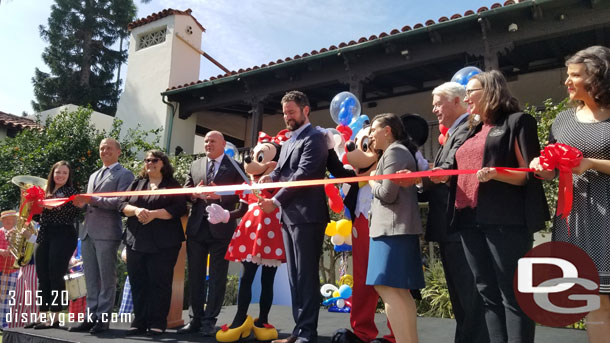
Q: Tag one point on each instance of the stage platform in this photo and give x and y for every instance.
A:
(431, 330)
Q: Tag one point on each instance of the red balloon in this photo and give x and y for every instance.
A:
(441, 139)
(443, 129)
(334, 198)
(345, 131)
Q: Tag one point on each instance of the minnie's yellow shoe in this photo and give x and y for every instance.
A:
(227, 335)
(266, 333)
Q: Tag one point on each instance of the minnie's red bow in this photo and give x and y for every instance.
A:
(35, 196)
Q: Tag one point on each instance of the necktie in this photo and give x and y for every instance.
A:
(101, 176)
(211, 169)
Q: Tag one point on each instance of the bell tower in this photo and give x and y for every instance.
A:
(161, 55)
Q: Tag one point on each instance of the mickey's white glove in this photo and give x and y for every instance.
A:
(217, 214)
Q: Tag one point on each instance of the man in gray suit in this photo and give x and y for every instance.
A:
(304, 213)
(101, 236)
(450, 109)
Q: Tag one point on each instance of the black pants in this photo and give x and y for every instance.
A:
(245, 293)
(492, 253)
(150, 275)
(52, 257)
(465, 299)
(303, 245)
(197, 253)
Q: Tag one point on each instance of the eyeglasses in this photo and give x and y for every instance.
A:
(469, 91)
(151, 160)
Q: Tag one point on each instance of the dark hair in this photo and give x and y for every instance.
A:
(51, 179)
(597, 64)
(167, 170)
(497, 101)
(298, 97)
(397, 128)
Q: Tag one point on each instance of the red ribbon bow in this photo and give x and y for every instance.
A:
(280, 138)
(224, 328)
(562, 157)
(35, 196)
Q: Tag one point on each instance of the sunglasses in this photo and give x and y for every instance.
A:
(151, 160)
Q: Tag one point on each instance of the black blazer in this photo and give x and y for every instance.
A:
(159, 233)
(500, 203)
(440, 209)
(225, 175)
(303, 159)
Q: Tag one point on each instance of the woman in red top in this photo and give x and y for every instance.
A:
(497, 212)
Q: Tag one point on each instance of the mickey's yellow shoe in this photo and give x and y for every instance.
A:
(266, 333)
(226, 335)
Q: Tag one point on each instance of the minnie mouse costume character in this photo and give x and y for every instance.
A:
(257, 241)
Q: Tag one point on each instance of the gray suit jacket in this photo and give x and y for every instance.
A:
(102, 216)
(394, 210)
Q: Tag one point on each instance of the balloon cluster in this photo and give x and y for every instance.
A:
(231, 150)
(443, 136)
(340, 233)
(334, 198)
(338, 298)
(344, 110)
(463, 75)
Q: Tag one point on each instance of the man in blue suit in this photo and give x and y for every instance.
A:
(304, 213)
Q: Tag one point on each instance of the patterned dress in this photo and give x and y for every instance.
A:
(258, 238)
(589, 220)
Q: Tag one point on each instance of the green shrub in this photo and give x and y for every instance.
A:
(435, 296)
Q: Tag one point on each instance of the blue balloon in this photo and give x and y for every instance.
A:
(345, 291)
(463, 75)
(357, 124)
(230, 152)
(345, 116)
(347, 101)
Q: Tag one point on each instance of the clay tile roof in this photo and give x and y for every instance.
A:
(429, 22)
(13, 121)
(162, 14)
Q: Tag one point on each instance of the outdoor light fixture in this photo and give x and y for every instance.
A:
(513, 27)
(405, 53)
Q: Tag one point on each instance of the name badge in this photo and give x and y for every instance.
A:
(496, 132)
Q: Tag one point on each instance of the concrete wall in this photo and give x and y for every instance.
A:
(101, 121)
(152, 70)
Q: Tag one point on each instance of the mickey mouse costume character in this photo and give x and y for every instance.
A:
(257, 241)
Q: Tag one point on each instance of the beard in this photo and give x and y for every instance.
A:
(294, 124)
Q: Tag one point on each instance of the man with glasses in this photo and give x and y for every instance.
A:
(204, 237)
(101, 236)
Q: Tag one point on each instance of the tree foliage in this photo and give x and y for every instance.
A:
(80, 57)
(546, 116)
(68, 136)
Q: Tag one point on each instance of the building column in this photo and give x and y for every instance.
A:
(257, 120)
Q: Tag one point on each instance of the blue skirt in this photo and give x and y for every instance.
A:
(395, 261)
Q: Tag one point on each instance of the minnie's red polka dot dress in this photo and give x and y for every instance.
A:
(258, 238)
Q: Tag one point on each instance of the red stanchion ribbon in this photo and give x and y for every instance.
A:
(563, 158)
(35, 197)
(257, 186)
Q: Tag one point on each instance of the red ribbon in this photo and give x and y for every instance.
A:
(35, 196)
(564, 158)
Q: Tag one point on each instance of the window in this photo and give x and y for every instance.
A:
(151, 38)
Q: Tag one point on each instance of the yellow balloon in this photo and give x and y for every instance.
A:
(331, 228)
(344, 227)
(336, 294)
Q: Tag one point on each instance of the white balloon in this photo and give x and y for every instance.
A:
(348, 239)
(327, 290)
(340, 303)
(337, 239)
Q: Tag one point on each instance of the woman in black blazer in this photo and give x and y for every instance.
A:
(495, 212)
(153, 238)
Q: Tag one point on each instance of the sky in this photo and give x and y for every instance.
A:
(239, 33)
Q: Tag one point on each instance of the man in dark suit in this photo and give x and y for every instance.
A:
(304, 213)
(101, 236)
(449, 107)
(203, 238)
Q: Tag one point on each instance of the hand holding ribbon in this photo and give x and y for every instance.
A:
(563, 158)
